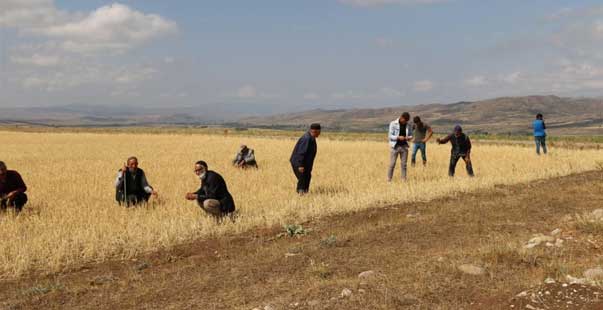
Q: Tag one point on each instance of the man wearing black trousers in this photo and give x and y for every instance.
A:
(461, 148)
(12, 189)
(302, 158)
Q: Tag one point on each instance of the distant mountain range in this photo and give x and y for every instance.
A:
(122, 115)
(501, 115)
(511, 115)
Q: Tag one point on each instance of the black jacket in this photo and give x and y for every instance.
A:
(214, 187)
(460, 145)
(134, 184)
(304, 152)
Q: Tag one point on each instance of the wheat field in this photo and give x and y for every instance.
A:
(72, 217)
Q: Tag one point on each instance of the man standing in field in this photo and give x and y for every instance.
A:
(461, 148)
(400, 132)
(213, 196)
(421, 134)
(539, 133)
(132, 188)
(302, 158)
(245, 158)
(12, 189)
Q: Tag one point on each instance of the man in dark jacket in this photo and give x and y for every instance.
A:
(461, 148)
(302, 158)
(245, 158)
(213, 196)
(134, 188)
(12, 189)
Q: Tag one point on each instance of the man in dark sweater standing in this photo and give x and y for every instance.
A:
(302, 158)
(213, 196)
(461, 148)
(12, 189)
(136, 188)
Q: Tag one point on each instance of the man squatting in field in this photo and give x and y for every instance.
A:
(400, 132)
(137, 188)
(213, 196)
(245, 158)
(461, 148)
(12, 189)
(302, 158)
(421, 134)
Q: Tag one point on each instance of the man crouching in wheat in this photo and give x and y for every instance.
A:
(213, 196)
(12, 189)
(131, 184)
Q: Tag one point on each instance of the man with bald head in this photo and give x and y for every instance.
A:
(12, 189)
(131, 184)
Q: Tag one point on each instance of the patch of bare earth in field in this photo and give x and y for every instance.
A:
(487, 250)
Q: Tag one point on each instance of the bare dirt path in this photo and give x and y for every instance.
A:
(414, 251)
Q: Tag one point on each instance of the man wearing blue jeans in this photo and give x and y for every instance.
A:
(539, 133)
(421, 134)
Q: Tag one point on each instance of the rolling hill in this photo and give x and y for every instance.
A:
(501, 115)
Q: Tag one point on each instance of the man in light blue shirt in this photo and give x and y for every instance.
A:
(539, 133)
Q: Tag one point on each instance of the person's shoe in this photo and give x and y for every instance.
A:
(424, 163)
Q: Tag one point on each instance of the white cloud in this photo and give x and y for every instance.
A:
(383, 93)
(36, 60)
(369, 3)
(390, 92)
(27, 14)
(561, 13)
(348, 95)
(478, 80)
(110, 28)
(311, 96)
(129, 76)
(78, 46)
(73, 74)
(511, 78)
(247, 92)
(423, 86)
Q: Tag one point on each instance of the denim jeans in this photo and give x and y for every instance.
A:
(540, 141)
(418, 146)
(401, 151)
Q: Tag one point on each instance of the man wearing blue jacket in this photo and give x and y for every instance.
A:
(302, 158)
(539, 133)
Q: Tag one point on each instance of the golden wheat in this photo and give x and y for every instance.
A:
(72, 217)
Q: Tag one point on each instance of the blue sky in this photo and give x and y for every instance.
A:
(296, 54)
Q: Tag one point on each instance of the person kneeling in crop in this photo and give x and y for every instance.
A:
(213, 196)
(245, 158)
(461, 148)
(12, 189)
(131, 185)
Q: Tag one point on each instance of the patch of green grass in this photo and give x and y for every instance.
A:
(42, 289)
(330, 241)
(588, 224)
(293, 230)
(320, 270)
